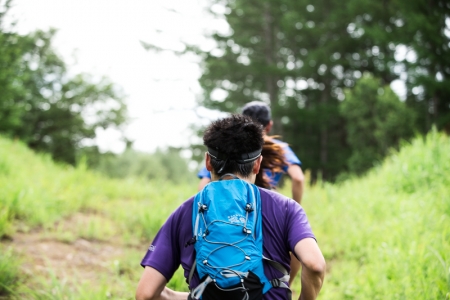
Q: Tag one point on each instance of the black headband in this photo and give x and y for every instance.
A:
(240, 159)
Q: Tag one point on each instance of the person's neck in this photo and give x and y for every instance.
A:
(229, 176)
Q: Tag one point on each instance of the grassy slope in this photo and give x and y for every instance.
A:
(36, 193)
(385, 236)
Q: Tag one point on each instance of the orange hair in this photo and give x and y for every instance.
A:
(273, 160)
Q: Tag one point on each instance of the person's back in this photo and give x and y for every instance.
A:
(275, 247)
(234, 147)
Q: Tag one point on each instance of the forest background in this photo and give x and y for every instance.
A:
(325, 69)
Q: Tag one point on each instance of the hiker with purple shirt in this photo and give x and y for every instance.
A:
(285, 227)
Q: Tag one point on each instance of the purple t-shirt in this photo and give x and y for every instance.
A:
(284, 225)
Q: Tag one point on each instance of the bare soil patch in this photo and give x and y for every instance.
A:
(81, 260)
(84, 259)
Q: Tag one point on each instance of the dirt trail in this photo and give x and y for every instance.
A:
(46, 256)
(84, 259)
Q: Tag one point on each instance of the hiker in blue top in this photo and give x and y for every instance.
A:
(291, 165)
(261, 112)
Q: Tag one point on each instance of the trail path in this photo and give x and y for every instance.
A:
(46, 256)
(83, 258)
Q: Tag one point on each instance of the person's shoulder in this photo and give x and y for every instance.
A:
(288, 153)
(188, 202)
(277, 141)
(282, 144)
(273, 196)
(279, 209)
(185, 207)
(273, 200)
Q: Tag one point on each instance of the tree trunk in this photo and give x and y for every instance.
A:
(270, 57)
(324, 138)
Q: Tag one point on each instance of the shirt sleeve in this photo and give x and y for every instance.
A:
(204, 173)
(297, 224)
(290, 156)
(163, 254)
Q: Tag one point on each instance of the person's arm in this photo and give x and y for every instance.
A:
(297, 178)
(204, 181)
(313, 268)
(152, 286)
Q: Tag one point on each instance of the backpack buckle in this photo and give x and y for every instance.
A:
(191, 241)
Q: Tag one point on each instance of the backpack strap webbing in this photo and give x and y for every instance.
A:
(196, 293)
(280, 282)
(277, 282)
(191, 272)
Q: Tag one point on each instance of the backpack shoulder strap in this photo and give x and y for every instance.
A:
(279, 282)
(191, 272)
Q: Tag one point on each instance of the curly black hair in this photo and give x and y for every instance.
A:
(233, 137)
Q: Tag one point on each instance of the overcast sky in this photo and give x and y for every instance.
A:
(102, 37)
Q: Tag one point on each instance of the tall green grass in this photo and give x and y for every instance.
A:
(9, 271)
(385, 235)
(38, 192)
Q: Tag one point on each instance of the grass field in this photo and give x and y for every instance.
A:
(68, 233)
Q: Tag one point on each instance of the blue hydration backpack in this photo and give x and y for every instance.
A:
(227, 236)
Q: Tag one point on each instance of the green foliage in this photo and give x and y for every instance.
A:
(421, 30)
(160, 165)
(9, 272)
(178, 281)
(376, 120)
(71, 203)
(387, 235)
(54, 289)
(64, 190)
(299, 56)
(44, 106)
(11, 73)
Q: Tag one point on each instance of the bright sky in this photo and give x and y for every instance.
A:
(102, 37)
